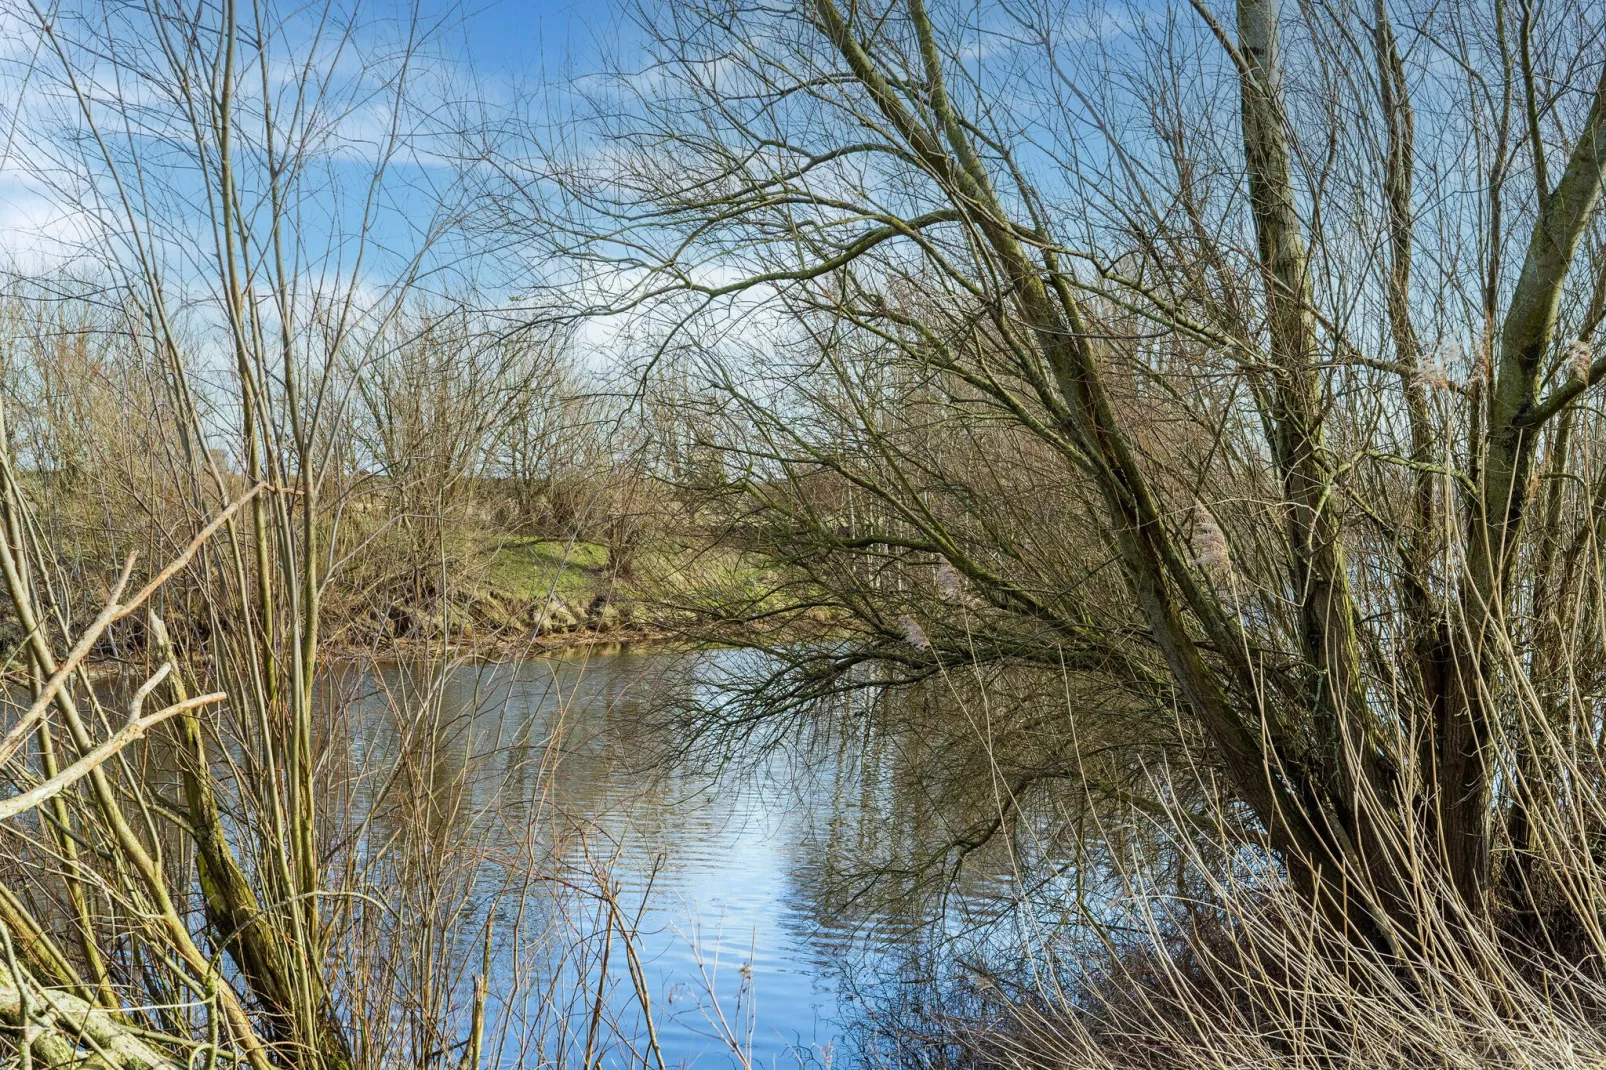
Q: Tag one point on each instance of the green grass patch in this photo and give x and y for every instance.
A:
(529, 568)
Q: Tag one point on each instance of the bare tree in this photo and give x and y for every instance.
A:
(1305, 412)
(198, 145)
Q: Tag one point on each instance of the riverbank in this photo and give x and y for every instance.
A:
(500, 598)
(510, 596)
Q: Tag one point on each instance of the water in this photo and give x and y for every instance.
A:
(753, 937)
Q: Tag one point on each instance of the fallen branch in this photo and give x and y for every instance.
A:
(59, 1024)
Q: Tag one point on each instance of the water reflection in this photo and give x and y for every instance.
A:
(770, 890)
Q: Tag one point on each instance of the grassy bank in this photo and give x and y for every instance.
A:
(501, 593)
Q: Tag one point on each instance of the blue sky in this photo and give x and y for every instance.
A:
(502, 49)
(532, 37)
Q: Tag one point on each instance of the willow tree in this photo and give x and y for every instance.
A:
(1280, 323)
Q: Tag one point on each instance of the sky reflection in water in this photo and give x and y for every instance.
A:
(740, 856)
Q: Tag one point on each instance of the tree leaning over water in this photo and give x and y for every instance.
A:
(1239, 362)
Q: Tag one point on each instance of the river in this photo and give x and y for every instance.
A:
(754, 945)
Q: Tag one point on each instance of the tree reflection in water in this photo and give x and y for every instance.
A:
(849, 865)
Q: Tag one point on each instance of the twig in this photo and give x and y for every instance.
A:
(136, 728)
